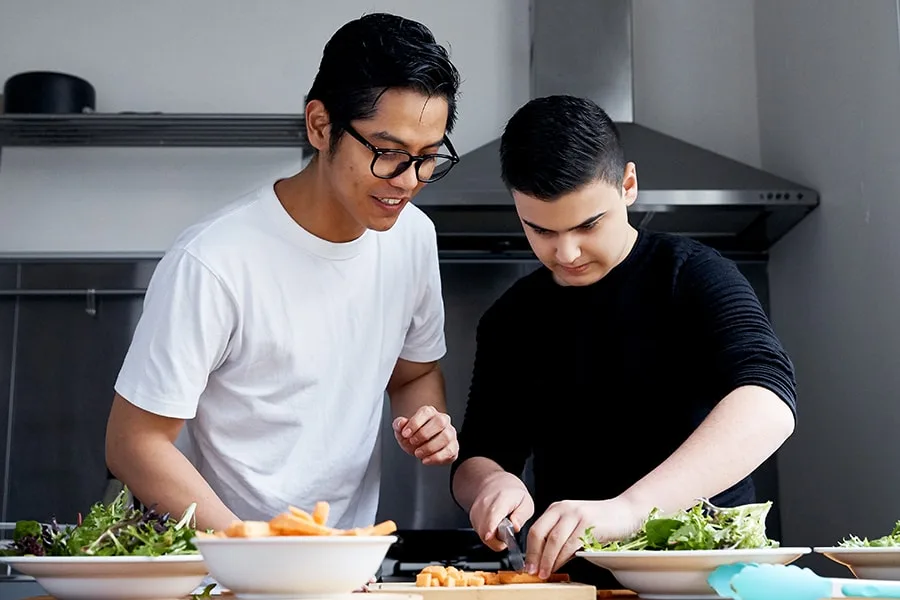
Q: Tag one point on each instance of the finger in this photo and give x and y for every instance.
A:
(568, 551)
(554, 544)
(523, 512)
(415, 422)
(431, 429)
(537, 537)
(500, 508)
(404, 443)
(479, 522)
(444, 438)
(399, 423)
(445, 456)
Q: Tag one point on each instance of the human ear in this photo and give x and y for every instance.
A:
(318, 125)
(629, 184)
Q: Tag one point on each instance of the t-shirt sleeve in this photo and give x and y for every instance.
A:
(425, 341)
(497, 418)
(726, 315)
(183, 334)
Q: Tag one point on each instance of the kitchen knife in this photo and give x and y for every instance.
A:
(507, 535)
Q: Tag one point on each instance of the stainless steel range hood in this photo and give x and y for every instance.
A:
(583, 47)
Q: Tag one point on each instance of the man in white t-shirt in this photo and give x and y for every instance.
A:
(272, 328)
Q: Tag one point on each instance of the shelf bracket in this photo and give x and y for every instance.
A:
(91, 306)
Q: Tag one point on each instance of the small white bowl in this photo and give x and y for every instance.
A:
(866, 562)
(113, 577)
(293, 566)
(679, 574)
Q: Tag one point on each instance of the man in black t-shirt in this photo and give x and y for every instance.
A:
(637, 368)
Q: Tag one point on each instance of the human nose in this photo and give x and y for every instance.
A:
(406, 180)
(567, 250)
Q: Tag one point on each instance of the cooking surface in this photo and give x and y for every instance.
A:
(538, 591)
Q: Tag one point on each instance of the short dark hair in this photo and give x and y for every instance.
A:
(377, 52)
(554, 145)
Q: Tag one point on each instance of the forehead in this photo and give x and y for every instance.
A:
(413, 117)
(569, 210)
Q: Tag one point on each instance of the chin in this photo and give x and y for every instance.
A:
(381, 223)
(572, 279)
(378, 217)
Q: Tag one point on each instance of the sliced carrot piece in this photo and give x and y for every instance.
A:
(383, 528)
(289, 524)
(320, 513)
(301, 513)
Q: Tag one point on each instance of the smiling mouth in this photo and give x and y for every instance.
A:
(390, 201)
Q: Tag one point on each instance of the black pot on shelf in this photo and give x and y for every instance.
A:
(48, 92)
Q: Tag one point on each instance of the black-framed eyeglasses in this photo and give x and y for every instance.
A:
(391, 162)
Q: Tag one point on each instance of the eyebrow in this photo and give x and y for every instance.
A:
(387, 137)
(584, 223)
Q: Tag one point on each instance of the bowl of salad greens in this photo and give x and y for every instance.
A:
(876, 558)
(117, 551)
(672, 555)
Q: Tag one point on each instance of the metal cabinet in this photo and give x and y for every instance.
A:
(68, 348)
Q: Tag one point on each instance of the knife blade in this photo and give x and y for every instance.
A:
(507, 534)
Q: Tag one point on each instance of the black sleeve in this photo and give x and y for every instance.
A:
(496, 419)
(725, 313)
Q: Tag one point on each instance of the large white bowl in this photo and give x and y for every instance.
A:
(113, 577)
(679, 574)
(294, 566)
(866, 562)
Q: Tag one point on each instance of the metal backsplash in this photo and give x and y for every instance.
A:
(65, 327)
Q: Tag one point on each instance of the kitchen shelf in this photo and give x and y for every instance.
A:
(153, 130)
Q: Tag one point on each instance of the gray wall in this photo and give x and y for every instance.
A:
(829, 83)
(695, 73)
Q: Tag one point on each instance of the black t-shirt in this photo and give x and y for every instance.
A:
(602, 383)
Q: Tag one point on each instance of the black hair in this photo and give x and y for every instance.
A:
(554, 145)
(368, 56)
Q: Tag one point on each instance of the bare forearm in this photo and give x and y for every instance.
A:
(156, 472)
(741, 432)
(426, 390)
(471, 477)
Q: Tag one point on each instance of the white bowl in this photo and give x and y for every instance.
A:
(113, 577)
(678, 574)
(294, 566)
(866, 562)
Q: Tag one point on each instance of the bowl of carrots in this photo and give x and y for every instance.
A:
(295, 554)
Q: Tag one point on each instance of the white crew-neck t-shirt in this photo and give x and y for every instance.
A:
(277, 347)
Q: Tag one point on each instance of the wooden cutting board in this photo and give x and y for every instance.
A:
(512, 591)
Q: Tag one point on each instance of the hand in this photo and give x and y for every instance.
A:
(554, 538)
(365, 588)
(428, 435)
(503, 495)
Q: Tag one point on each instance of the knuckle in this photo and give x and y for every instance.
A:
(556, 537)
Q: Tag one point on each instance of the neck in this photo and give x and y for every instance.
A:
(627, 247)
(314, 205)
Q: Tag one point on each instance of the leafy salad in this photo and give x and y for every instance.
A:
(701, 527)
(887, 541)
(117, 529)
